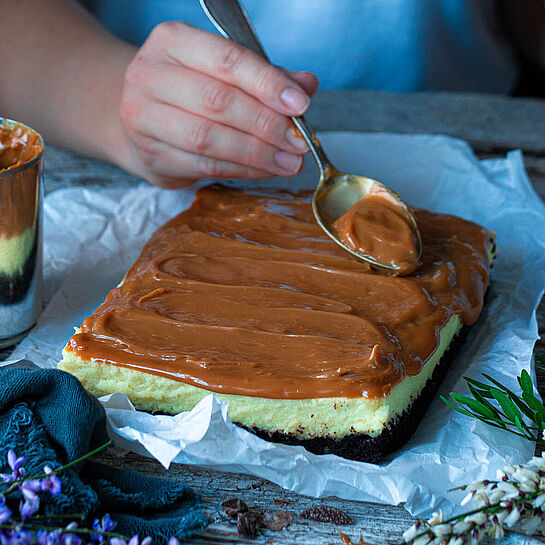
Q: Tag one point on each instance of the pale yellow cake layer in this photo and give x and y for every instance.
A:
(305, 418)
(14, 251)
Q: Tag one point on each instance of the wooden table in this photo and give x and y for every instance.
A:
(492, 125)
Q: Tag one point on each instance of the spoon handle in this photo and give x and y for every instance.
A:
(232, 21)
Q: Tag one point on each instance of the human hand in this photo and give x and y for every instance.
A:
(196, 105)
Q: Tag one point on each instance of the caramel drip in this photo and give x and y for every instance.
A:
(244, 294)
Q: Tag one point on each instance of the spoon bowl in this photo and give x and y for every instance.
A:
(336, 192)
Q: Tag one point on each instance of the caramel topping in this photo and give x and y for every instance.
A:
(375, 226)
(18, 189)
(18, 145)
(244, 294)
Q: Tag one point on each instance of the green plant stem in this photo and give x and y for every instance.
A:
(59, 516)
(55, 471)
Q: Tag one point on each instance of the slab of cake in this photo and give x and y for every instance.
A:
(244, 296)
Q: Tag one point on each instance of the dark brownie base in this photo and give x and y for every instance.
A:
(364, 448)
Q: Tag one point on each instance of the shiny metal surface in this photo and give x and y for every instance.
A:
(336, 191)
(21, 197)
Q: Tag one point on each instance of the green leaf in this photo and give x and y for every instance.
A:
(508, 407)
(478, 383)
(483, 389)
(518, 423)
(474, 405)
(477, 395)
(539, 417)
(456, 407)
(526, 383)
(499, 385)
(528, 412)
(532, 401)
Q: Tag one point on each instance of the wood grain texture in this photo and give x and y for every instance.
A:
(377, 524)
(492, 125)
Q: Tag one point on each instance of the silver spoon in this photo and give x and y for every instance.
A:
(336, 192)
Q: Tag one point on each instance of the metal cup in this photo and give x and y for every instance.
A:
(21, 197)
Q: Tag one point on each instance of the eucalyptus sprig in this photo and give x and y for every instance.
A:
(499, 407)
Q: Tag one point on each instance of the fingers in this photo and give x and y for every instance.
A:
(199, 136)
(227, 61)
(196, 105)
(215, 100)
(167, 163)
(307, 80)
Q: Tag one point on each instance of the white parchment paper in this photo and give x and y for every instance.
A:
(92, 237)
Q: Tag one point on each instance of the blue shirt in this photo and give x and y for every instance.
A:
(393, 45)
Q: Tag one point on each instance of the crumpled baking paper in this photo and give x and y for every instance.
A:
(92, 237)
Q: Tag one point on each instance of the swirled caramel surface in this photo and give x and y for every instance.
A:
(375, 226)
(244, 294)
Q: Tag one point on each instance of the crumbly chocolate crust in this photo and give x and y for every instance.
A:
(364, 448)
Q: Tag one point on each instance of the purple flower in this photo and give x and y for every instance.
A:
(31, 486)
(15, 463)
(48, 538)
(52, 483)
(146, 541)
(21, 537)
(30, 506)
(70, 539)
(28, 493)
(117, 541)
(106, 524)
(173, 541)
(5, 513)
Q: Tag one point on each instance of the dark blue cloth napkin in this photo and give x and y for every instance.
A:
(47, 416)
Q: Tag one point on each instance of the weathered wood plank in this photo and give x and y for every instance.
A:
(377, 524)
(491, 123)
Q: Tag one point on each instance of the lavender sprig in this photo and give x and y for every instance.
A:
(48, 472)
(26, 529)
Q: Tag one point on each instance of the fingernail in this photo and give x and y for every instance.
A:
(287, 161)
(295, 100)
(293, 138)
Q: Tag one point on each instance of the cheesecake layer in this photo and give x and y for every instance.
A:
(333, 417)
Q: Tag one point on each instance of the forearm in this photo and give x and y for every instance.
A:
(63, 73)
